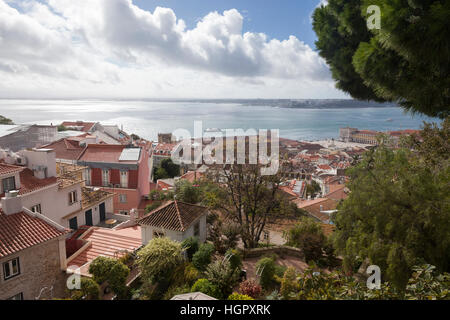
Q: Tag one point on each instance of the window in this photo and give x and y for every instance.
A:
(123, 179)
(11, 268)
(158, 234)
(105, 177)
(9, 184)
(88, 176)
(72, 197)
(18, 296)
(73, 223)
(36, 208)
(197, 229)
(122, 198)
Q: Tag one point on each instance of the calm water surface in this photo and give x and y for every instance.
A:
(146, 119)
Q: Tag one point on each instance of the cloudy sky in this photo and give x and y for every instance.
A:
(160, 49)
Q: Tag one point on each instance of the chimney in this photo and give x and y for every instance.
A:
(11, 203)
(133, 215)
(41, 161)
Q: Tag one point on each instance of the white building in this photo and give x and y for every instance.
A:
(175, 220)
(31, 177)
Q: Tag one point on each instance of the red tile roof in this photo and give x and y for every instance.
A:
(20, 231)
(66, 148)
(85, 126)
(192, 176)
(175, 215)
(108, 242)
(107, 153)
(29, 183)
(8, 169)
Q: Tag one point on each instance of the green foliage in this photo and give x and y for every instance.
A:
(289, 284)
(160, 173)
(223, 276)
(172, 169)
(237, 296)
(224, 236)
(135, 137)
(206, 287)
(113, 271)
(186, 192)
(89, 290)
(235, 258)
(62, 128)
(202, 257)
(393, 63)
(190, 245)
(308, 236)
(176, 290)
(158, 259)
(266, 269)
(313, 189)
(398, 210)
(4, 120)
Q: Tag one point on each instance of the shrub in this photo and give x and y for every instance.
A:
(289, 285)
(206, 287)
(89, 290)
(191, 274)
(250, 288)
(222, 276)
(266, 271)
(158, 259)
(235, 258)
(113, 271)
(191, 246)
(202, 257)
(237, 296)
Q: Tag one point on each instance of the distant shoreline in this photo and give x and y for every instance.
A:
(275, 103)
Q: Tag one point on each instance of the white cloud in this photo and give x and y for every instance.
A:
(114, 48)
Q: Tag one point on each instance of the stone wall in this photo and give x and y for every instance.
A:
(39, 267)
(279, 250)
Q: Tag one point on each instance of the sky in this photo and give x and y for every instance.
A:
(161, 49)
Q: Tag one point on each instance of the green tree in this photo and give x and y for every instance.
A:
(266, 271)
(172, 169)
(89, 290)
(309, 237)
(191, 246)
(222, 275)
(398, 210)
(187, 192)
(205, 286)
(392, 63)
(113, 271)
(160, 173)
(4, 120)
(202, 258)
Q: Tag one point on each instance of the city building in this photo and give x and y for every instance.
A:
(175, 220)
(18, 137)
(32, 254)
(121, 170)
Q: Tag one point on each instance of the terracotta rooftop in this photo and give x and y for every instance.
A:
(106, 153)
(91, 197)
(21, 230)
(66, 148)
(8, 168)
(337, 192)
(175, 215)
(29, 183)
(107, 242)
(316, 206)
(192, 176)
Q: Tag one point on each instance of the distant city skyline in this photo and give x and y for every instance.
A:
(161, 49)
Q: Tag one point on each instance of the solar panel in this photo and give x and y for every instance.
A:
(130, 154)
